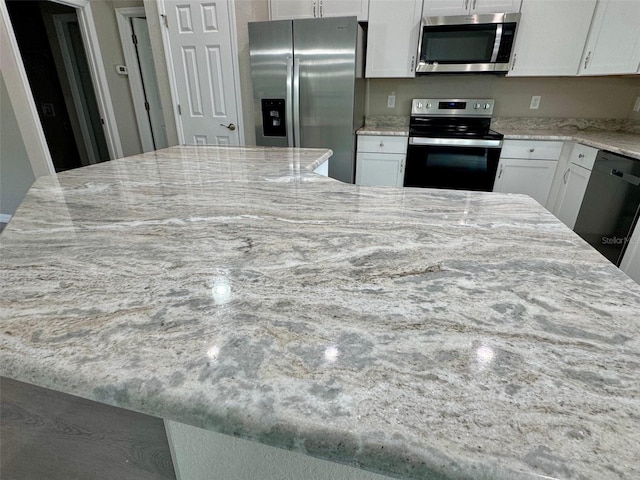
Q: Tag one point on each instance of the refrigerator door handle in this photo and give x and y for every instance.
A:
(289, 102)
(296, 101)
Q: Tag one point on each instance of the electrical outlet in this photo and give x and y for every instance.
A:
(636, 107)
(535, 102)
(391, 101)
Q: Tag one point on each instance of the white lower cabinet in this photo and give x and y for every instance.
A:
(380, 160)
(574, 183)
(631, 260)
(528, 167)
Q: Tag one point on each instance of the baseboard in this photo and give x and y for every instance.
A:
(4, 218)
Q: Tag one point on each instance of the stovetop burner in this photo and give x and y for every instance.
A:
(452, 118)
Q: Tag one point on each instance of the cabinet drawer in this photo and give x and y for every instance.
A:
(532, 149)
(583, 155)
(382, 144)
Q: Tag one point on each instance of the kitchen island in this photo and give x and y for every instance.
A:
(411, 332)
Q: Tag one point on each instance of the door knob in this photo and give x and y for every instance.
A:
(231, 126)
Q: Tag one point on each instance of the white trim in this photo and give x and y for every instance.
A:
(98, 74)
(135, 81)
(235, 56)
(5, 217)
(22, 100)
(173, 85)
(60, 22)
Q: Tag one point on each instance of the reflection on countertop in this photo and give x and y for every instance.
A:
(414, 332)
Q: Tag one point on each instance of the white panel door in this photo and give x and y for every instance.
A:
(531, 177)
(200, 51)
(439, 8)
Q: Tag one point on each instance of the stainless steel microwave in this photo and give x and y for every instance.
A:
(467, 43)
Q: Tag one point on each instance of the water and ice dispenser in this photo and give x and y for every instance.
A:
(273, 117)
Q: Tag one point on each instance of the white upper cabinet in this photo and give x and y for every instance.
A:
(345, 8)
(613, 45)
(439, 8)
(551, 36)
(392, 38)
(293, 9)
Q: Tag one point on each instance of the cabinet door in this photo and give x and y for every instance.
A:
(380, 169)
(292, 9)
(392, 38)
(613, 46)
(440, 8)
(531, 177)
(345, 8)
(541, 47)
(574, 185)
(631, 261)
(495, 6)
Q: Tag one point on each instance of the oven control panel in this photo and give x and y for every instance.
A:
(453, 107)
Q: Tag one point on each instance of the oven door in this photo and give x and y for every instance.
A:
(458, 165)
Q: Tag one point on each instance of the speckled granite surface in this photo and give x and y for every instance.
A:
(418, 333)
(618, 136)
(384, 130)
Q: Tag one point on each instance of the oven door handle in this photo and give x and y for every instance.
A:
(455, 142)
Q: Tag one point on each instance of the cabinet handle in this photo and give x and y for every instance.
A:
(413, 61)
(564, 177)
(500, 172)
(381, 144)
(515, 57)
(466, 4)
(314, 10)
(586, 60)
(581, 155)
(473, 7)
(532, 150)
(321, 9)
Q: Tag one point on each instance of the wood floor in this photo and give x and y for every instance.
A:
(46, 435)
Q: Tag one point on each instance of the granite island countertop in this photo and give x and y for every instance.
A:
(413, 332)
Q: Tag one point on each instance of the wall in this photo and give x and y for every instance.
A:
(111, 49)
(587, 97)
(16, 175)
(248, 11)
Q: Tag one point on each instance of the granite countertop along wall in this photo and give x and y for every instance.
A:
(618, 136)
(418, 333)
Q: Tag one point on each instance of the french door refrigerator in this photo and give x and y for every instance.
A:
(308, 86)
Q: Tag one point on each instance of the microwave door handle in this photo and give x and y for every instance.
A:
(496, 44)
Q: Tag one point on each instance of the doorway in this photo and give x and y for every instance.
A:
(51, 47)
(141, 72)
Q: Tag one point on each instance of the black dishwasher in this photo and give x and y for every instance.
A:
(610, 207)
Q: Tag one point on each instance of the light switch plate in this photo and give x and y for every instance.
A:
(636, 107)
(391, 101)
(535, 102)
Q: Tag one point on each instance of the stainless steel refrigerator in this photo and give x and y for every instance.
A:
(308, 86)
